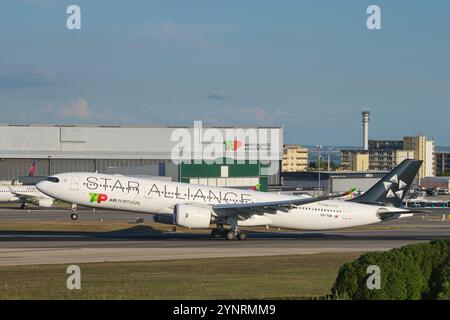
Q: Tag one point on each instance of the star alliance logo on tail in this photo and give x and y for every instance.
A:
(395, 181)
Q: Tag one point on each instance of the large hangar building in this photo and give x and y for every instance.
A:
(143, 150)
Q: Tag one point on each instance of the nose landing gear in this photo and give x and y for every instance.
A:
(74, 214)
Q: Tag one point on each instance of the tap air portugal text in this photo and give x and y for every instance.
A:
(197, 206)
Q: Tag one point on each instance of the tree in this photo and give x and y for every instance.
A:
(323, 165)
(419, 271)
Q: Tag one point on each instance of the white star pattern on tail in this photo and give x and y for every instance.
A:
(395, 181)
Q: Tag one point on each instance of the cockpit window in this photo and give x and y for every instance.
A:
(53, 179)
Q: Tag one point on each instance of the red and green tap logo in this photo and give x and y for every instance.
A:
(257, 187)
(97, 197)
(232, 145)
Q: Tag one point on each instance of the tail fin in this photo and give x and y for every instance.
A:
(393, 187)
(32, 169)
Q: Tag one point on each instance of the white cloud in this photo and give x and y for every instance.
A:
(178, 31)
(77, 108)
(282, 113)
(258, 114)
(47, 109)
(184, 35)
(234, 115)
(75, 111)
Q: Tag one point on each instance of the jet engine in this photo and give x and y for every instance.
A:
(163, 218)
(47, 203)
(192, 216)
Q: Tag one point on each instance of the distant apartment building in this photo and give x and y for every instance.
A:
(388, 159)
(384, 155)
(360, 161)
(387, 154)
(442, 166)
(379, 160)
(295, 158)
(423, 150)
(347, 158)
(430, 159)
(356, 160)
(384, 145)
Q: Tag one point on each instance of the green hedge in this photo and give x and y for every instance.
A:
(420, 271)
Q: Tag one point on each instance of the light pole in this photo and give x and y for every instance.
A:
(329, 161)
(319, 148)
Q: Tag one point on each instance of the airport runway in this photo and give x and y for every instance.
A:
(33, 247)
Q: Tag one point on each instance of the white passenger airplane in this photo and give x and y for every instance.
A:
(24, 195)
(196, 206)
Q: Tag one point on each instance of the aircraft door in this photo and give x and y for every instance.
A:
(347, 212)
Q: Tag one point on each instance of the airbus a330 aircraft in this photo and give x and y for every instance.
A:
(196, 206)
(24, 195)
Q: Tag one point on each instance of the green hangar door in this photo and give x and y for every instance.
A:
(226, 173)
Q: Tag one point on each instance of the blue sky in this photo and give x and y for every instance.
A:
(311, 66)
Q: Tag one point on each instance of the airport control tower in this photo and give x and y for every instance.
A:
(365, 121)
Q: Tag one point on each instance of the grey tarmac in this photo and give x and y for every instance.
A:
(38, 247)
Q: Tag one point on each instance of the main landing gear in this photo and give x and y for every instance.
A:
(24, 206)
(220, 231)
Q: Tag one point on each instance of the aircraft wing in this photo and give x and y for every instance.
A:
(280, 205)
(269, 206)
(25, 197)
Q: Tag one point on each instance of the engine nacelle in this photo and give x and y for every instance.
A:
(45, 202)
(191, 216)
(163, 218)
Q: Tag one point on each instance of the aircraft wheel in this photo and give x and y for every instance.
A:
(215, 233)
(24, 206)
(74, 216)
(242, 236)
(230, 235)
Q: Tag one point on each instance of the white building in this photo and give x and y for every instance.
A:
(65, 148)
(430, 159)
